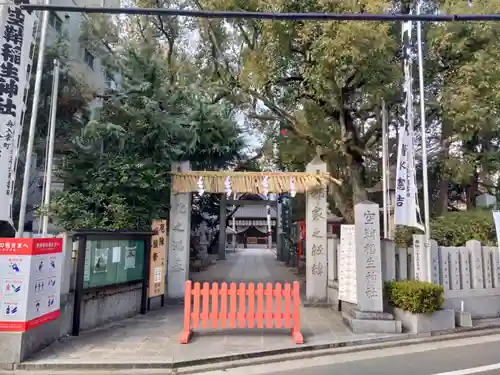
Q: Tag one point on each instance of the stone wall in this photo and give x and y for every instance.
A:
(470, 274)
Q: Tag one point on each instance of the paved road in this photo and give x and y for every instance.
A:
(476, 355)
(480, 355)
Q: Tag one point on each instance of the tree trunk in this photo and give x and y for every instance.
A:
(472, 191)
(357, 172)
(353, 191)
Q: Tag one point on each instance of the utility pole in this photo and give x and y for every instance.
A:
(385, 182)
(425, 178)
(32, 128)
(50, 154)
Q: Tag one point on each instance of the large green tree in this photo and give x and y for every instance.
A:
(324, 81)
(321, 81)
(163, 111)
(465, 78)
(118, 176)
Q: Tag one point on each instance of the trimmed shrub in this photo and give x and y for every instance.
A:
(455, 229)
(417, 297)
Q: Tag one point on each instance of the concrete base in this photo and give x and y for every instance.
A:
(422, 323)
(17, 347)
(485, 306)
(316, 303)
(371, 322)
(332, 293)
(463, 319)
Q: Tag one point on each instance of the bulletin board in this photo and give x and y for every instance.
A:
(109, 262)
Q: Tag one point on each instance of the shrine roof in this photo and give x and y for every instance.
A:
(253, 212)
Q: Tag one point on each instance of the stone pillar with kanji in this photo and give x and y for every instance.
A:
(316, 237)
(178, 239)
(369, 316)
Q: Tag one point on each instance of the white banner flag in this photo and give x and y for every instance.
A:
(406, 210)
(16, 41)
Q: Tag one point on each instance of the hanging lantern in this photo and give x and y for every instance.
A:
(227, 185)
(201, 186)
(292, 187)
(265, 185)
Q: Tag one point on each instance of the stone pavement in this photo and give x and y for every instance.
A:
(154, 338)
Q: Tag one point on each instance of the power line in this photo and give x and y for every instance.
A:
(267, 15)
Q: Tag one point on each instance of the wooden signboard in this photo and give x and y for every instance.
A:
(158, 259)
(252, 240)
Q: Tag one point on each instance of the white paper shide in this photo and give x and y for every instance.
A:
(15, 61)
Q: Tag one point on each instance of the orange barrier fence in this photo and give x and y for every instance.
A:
(203, 304)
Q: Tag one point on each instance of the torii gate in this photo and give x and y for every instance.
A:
(313, 183)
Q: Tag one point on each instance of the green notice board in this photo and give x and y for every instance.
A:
(110, 262)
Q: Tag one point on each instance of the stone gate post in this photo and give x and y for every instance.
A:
(316, 238)
(369, 316)
(178, 239)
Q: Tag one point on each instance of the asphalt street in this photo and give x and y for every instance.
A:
(480, 355)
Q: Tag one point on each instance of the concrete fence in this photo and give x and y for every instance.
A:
(470, 274)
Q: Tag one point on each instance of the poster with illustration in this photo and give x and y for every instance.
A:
(101, 260)
(130, 257)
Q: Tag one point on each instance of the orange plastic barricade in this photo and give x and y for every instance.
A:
(247, 306)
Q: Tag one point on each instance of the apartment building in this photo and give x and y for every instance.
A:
(85, 65)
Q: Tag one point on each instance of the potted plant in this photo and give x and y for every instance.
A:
(419, 306)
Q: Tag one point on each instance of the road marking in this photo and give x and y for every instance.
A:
(474, 370)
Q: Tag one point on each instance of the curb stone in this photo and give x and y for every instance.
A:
(262, 357)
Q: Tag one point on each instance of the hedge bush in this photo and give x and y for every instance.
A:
(418, 297)
(455, 229)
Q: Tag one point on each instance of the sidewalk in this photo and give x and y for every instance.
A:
(152, 340)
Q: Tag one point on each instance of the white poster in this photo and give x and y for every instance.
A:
(15, 61)
(347, 264)
(117, 253)
(130, 257)
(158, 276)
(86, 266)
(45, 285)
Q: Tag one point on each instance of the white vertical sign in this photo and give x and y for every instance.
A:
(16, 42)
(347, 264)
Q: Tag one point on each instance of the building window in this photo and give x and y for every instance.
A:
(55, 21)
(110, 80)
(88, 58)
